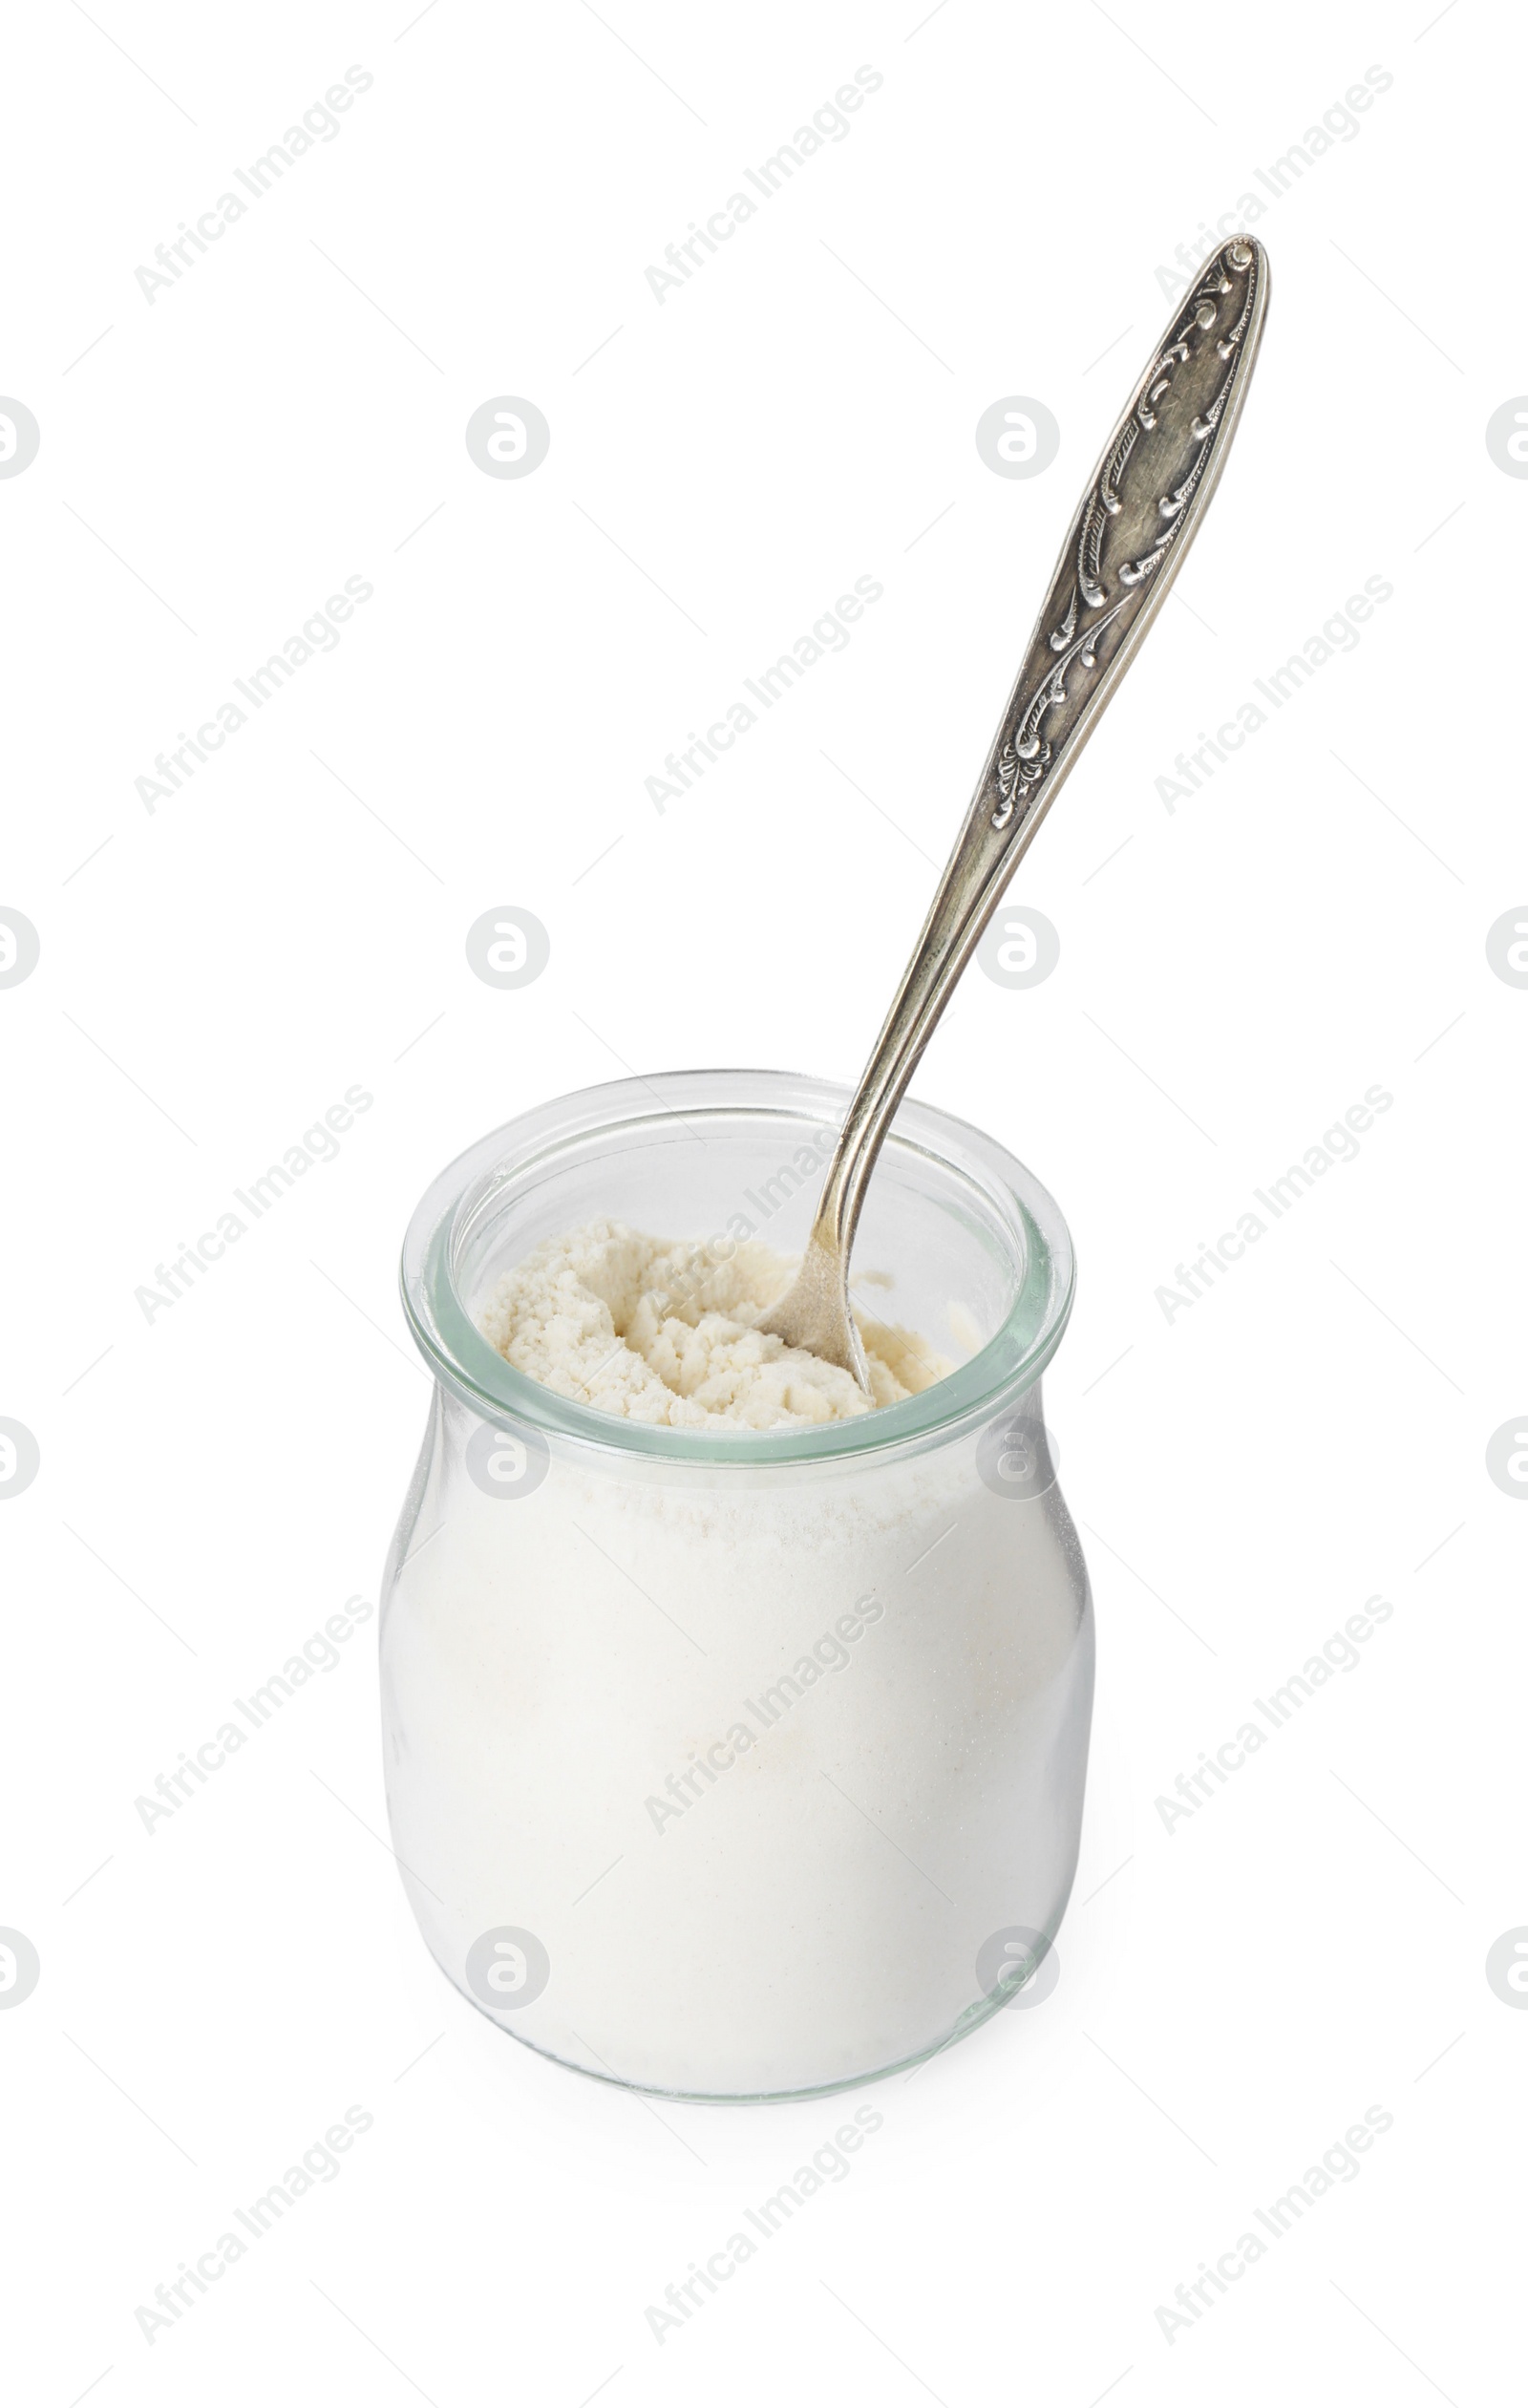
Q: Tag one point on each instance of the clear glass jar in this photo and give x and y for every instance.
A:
(739, 1763)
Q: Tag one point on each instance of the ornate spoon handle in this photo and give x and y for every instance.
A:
(1131, 533)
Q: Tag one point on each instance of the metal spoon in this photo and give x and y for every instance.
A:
(1132, 529)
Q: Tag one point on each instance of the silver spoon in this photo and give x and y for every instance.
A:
(1133, 527)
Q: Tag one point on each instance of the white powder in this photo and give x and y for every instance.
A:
(762, 1759)
(664, 1332)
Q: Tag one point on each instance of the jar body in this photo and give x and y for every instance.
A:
(761, 1771)
(719, 1779)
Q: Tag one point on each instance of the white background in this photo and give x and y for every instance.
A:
(1234, 973)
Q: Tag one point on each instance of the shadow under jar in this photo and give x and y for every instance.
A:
(728, 1764)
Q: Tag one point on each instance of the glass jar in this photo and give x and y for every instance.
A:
(736, 1763)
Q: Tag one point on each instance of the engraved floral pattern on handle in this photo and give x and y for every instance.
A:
(1119, 543)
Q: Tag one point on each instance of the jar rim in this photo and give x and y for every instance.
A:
(465, 1361)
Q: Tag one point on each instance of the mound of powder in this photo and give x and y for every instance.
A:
(664, 1331)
